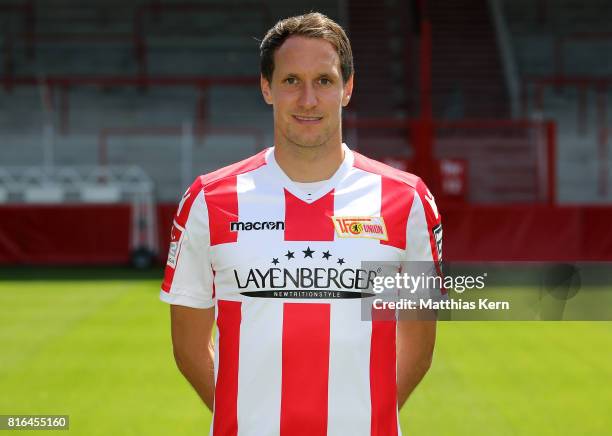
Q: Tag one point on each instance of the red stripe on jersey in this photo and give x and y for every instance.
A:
(222, 198)
(375, 167)
(180, 219)
(226, 388)
(383, 381)
(222, 201)
(244, 166)
(397, 196)
(309, 221)
(305, 359)
(396, 203)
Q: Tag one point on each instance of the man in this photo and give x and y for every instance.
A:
(273, 246)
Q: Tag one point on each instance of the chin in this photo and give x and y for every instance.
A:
(309, 143)
(306, 144)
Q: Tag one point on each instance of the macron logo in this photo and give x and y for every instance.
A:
(256, 225)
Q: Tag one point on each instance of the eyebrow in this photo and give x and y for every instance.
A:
(328, 75)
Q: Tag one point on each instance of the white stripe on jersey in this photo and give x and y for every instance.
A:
(256, 183)
(363, 194)
(417, 233)
(349, 408)
(260, 317)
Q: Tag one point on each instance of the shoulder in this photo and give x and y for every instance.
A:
(401, 181)
(388, 173)
(203, 183)
(244, 166)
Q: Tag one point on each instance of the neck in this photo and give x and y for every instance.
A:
(309, 164)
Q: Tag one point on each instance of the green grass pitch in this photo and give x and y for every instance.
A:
(97, 347)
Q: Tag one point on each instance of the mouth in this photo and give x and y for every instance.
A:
(307, 119)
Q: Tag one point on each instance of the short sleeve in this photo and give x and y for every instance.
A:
(188, 276)
(424, 230)
(423, 255)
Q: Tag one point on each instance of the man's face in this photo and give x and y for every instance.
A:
(307, 92)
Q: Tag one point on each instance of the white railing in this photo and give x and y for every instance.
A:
(87, 185)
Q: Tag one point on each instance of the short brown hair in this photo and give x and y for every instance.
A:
(312, 25)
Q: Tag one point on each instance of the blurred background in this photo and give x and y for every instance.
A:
(109, 109)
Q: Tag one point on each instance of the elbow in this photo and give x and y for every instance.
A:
(189, 358)
(427, 356)
(426, 363)
(180, 358)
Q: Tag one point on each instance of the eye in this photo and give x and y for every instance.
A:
(324, 81)
(290, 80)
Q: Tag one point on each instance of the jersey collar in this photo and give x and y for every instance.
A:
(331, 183)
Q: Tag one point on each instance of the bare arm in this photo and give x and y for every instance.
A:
(193, 348)
(415, 345)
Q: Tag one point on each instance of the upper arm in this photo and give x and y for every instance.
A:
(417, 337)
(188, 277)
(191, 329)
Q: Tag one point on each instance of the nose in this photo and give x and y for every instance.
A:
(308, 97)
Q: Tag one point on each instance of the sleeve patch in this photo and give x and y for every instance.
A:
(437, 231)
(176, 238)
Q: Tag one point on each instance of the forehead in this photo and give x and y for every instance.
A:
(299, 54)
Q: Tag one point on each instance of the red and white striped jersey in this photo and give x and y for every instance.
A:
(283, 268)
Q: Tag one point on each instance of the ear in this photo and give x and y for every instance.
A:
(348, 90)
(265, 89)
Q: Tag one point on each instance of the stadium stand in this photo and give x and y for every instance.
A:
(561, 48)
(106, 40)
(468, 80)
(384, 44)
